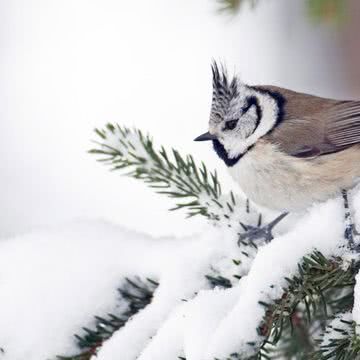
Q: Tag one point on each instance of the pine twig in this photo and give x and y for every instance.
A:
(321, 287)
(136, 294)
(194, 188)
(339, 340)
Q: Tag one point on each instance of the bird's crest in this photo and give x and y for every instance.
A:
(224, 89)
(222, 86)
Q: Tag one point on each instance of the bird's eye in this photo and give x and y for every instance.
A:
(231, 124)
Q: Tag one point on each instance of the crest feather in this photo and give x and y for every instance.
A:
(224, 90)
(222, 87)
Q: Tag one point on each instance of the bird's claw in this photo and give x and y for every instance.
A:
(254, 233)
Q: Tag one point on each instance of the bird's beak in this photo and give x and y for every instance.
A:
(205, 137)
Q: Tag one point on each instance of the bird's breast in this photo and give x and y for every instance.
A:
(282, 182)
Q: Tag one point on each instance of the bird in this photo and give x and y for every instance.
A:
(285, 149)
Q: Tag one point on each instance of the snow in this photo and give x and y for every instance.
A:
(170, 333)
(54, 281)
(203, 317)
(356, 309)
(178, 282)
(75, 269)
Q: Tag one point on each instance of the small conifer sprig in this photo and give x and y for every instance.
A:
(322, 288)
(195, 189)
(340, 340)
(135, 294)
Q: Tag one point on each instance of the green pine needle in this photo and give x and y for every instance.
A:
(136, 293)
(321, 288)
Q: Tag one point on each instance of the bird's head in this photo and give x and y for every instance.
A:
(240, 115)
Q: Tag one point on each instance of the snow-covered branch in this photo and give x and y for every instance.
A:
(340, 339)
(134, 294)
(233, 291)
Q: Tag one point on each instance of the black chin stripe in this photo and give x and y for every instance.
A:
(222, 153)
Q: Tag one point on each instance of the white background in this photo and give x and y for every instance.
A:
(68, 66)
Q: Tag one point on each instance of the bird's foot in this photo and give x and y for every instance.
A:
(252, 234)
(352, 235)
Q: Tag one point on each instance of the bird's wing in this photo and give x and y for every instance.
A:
(343, 125)
(326, 126)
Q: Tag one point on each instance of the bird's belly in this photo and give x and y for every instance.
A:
(269, 187)
(282, 182)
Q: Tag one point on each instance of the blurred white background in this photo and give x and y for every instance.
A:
(69, 66)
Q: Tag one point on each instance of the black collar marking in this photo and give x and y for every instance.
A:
(222, 153)
(280, 101)
(252, 100)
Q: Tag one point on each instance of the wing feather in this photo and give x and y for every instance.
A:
(343, 125)
(315, 126)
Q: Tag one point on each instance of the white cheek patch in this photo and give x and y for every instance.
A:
(270, 111)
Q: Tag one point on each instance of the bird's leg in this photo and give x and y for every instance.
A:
(349, 222)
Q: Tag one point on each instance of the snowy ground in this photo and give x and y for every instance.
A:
(57, 279)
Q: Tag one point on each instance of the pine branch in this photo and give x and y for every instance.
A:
(316, 275)
(174, 176)
(321, 288)
(135, 294)
(320, 284)
(195, 189)
(340, 340)
(219, 281)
